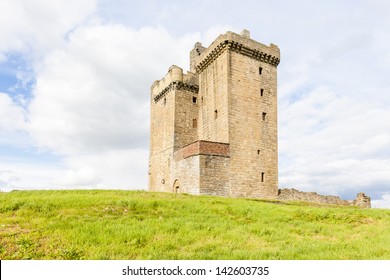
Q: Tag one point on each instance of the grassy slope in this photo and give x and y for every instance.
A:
(140, 225)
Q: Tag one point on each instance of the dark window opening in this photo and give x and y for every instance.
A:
(216, 114)
(258, 152)
(263, 116)
(194, 123)
(194, 99)
(260, 70)
(261, 92)
(262, 177)
(202, 99)
(165, 101)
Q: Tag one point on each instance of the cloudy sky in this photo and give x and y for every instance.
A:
(75, 79)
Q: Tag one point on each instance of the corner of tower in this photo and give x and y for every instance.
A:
(175, 74)
(194, 54)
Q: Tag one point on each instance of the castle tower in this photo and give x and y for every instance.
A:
(173, 124)
(214, 130)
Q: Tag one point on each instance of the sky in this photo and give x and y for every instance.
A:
(75, 81)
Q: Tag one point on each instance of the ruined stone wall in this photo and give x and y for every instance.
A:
(294, 195)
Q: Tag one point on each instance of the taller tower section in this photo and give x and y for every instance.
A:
(238, 106)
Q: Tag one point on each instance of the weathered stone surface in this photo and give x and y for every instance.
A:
(292, 194)
(362, 200)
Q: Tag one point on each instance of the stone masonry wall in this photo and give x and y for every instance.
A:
(187, 172)
(213, 106)
(171, 124)
(214, 175)
(292, 194)
(252, 101)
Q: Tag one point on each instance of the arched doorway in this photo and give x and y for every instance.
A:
(176, 186)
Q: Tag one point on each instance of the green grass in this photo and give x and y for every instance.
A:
(140, 225)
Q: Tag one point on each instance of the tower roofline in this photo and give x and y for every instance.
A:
(239, 43)
(174, 79)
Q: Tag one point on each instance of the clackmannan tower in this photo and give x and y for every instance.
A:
(213, 130)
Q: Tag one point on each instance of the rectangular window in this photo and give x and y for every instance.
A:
(260, 70)
(261, 92)
(194, 99)
(258, 152)
(262, 177)
(263, 116)
(194, 123)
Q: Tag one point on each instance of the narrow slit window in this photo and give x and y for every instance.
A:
(258, 152)
(194, 123)
(194, 99)
(261, 92)
(262, 177)
(260, 70)
(165, 101)
(263, 116)
(215, 114)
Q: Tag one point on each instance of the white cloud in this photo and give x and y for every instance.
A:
(12, 123)
(93, 95)
(12, 117)
(20, 175)
(334, 143)
(39, 25)
(85, 176)
(120, 169)
(91, 101)
(7, 178)
(384, 202)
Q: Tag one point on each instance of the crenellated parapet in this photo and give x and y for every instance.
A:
(176, 85)
(174, 80)
(239, 44)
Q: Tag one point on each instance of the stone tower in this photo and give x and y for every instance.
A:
(214, 129)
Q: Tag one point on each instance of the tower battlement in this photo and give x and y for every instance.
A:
(239, 43)
(174, 78)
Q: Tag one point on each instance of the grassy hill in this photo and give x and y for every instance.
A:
(140, 225)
